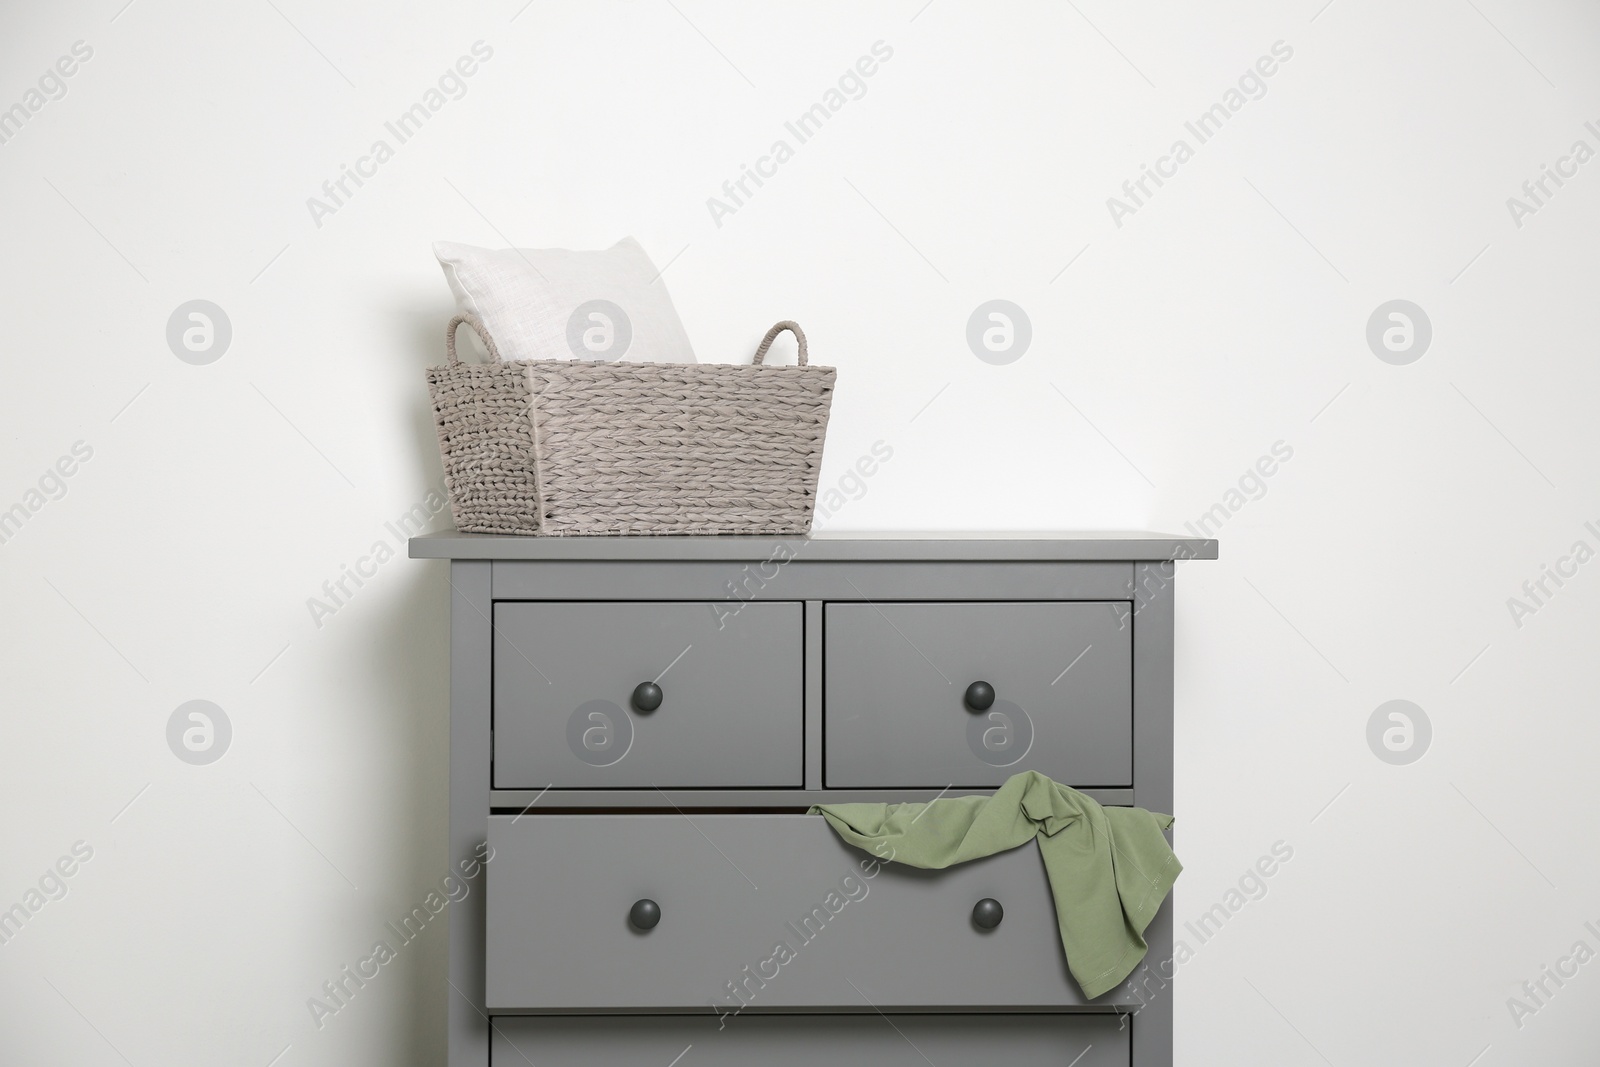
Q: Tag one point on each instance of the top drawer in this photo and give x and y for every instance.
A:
(730, 691)
(897, 677)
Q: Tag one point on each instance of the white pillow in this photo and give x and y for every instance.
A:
(553, 303)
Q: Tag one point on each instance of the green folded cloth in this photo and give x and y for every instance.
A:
(1109, 868)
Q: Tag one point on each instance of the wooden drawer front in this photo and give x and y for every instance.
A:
(809, 1040)
(731, 889)
(731, 708)
(897, 676)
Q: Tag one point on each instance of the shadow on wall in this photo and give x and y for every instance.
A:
(424, 331)
(409, 667)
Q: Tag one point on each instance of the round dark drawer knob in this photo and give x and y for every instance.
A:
(979, 697)
(646, 913)
(646, 698)
(987, 913)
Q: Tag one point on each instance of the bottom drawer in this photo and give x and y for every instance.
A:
(795, 1040)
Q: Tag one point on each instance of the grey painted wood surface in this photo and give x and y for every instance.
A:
(732, 572)
(513, 801)
(731, 889)
(897, 674)
(470, 612)
(889, 546)
(731, 679)
(1153, 658)
(733, 583)
(813, 710)
(807, 1041)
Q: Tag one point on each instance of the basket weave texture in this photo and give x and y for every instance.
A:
(574, 447)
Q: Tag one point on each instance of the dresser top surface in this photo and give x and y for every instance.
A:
(825, 546)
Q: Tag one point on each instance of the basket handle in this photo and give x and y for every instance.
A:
(477, 327)
(766, 342)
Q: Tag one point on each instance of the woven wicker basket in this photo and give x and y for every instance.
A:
(559, 447)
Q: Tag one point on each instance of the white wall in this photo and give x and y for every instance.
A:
(1226, 314)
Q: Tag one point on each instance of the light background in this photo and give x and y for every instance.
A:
(1169, 353)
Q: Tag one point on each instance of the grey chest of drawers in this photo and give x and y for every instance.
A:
(637, 726)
